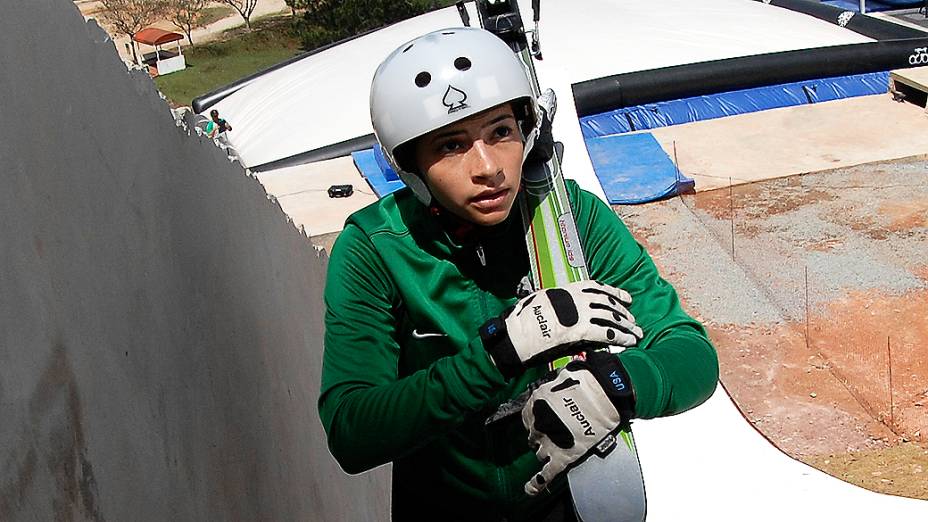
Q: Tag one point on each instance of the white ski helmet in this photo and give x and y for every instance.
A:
(440, 78)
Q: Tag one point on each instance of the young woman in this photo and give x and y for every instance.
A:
(426, 334)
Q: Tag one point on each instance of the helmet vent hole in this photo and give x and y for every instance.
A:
(462, 64)
(408, 47)
(448, 32)
(423, 79)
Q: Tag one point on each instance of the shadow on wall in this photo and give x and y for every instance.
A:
(160, 318)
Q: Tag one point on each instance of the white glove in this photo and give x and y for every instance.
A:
(577, 414)
(551, 323)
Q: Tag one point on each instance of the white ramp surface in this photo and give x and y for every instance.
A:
(710, 464)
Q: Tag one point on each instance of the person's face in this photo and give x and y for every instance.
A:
(474, 167)
(214, 115)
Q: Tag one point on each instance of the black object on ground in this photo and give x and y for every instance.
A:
(340, 191)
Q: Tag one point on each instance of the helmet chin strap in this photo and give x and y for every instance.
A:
(419, 187)
(528, 142)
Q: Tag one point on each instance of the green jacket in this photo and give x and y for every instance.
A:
(406, 380)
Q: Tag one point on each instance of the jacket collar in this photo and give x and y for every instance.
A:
(460, 233)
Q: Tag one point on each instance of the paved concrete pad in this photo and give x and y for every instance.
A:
(302, 193)
(796, 140)
(916, 77)
(907, 17)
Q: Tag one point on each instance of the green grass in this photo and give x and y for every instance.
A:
(215, 13)
(239, 54)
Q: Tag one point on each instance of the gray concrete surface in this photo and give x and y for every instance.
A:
(303, 193)
(795, 140)
(160, 318)
(907, 17)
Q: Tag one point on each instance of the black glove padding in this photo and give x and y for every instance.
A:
(577, 414)
(550, 323)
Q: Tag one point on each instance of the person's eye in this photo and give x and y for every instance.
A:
(503, 131)
(449, 147)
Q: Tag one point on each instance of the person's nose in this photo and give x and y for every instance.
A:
(484, 164)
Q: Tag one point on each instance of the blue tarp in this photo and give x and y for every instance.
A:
(388, 173)
(711, 106)
(873, 6)
(633, 168)
(374, 168)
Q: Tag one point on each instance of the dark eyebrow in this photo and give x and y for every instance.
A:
(451, 133)
(446, 134)
(498, 119)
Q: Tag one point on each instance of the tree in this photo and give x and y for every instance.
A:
(186, 14)
(130, 16)
(297, 5)
(244, 8)
(326, 21)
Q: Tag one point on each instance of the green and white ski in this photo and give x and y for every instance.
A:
(608, 486)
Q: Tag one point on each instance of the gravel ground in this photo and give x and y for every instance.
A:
(715, 289)
(850, 228)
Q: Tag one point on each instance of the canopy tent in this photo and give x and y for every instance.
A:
(156, 37)
(161, 61)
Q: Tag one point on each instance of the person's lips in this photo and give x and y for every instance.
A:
(490, 199)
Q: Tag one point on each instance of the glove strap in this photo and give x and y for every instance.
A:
(496, 342)
(612, 376)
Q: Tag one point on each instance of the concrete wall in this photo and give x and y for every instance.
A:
(160, 320)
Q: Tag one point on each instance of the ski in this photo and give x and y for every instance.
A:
(608, 486)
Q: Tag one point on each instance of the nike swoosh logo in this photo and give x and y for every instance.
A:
(425, 335)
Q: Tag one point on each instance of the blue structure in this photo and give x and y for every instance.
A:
(697, 108)
(375, 169)
(633, 168)
(874, 5)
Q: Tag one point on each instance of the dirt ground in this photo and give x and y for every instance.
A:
(897, 469)
(814, 290)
